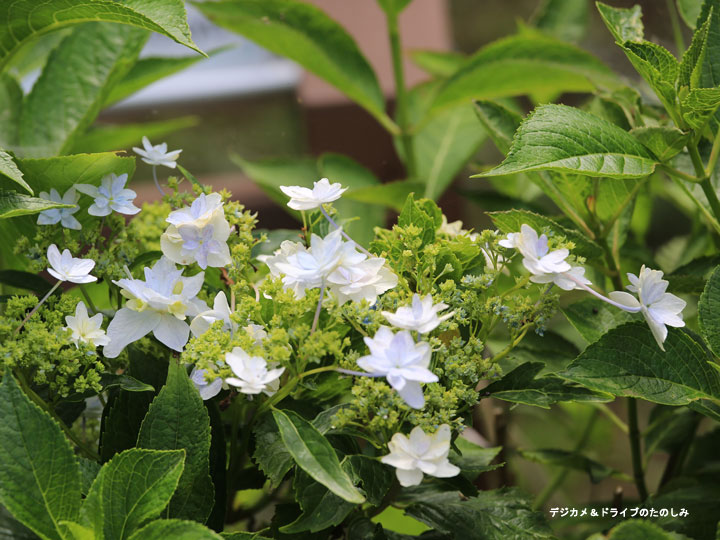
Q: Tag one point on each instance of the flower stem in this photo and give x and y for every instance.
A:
(40, 303)
(634, 435)
(676, 28)
(157, 184)
(601, 297)
(318, 308)
(88, 299)
(345, 235)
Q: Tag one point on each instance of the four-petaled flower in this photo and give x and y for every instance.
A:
(198, 233)
(659, 308)
(302, 198)
(64, 216)
(420, 453)
(206, 389)
(403, 363)
(65, 267)
(252, 375)
(159, 304)
(111, 195)
(421, 316)
(158, 154)
(86, 329)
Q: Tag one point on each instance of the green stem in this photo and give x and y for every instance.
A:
(705, 182)
(559, 477)
(88, 299)
(714, 222)
(401, 105)
(714, 154)
(676, 28)
(675, 173)
(512, 345)
(635, 451)
(40, 303)
(614, 418)
(288, 387)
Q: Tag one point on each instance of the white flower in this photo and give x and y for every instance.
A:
(158, 154)
(251, 373)
(221, 312)
(207, 389)
(64, 216)
(659, 308)
(421, 316)
(572, 279)
(86, 329)
(198, 233)
(451, 229)
(363, 281)
(111, 195)
(302, 198)
(420, 453)
(401, 361)
(159, 304)
(65, 267)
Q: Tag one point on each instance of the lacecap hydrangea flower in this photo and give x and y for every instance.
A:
(157, 154)
(65, 267)
(110, 196)
(64, 216)
(421, 315)
(302, 198)
(86, 329)
(252, 375)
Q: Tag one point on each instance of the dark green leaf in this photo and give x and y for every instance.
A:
(218, 462)
(474, 459)
(499, 122)
(689, 11)
(177, 529)
(177, 419)
(11, 97)
(88, 472)
(593, 318)
(628, 362)
(145, 259)
(709, 312)
(270, 453)
(625, 24)
(691, 277)
(24, 280)
(562, 138)
(706, 73)
(39, 480)
(375, 478)
(636, 529)
(125, 382)
(663, 142)
(669, 428)
(576, 461)
(702, 503)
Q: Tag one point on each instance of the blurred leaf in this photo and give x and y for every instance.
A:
(438, 63)
(308, 36)
(499, 122)
(145, 259)
(702, 503)
(123, 136)
(272, 173)
(669, 428)
(563, 19)
(474, 459)
(575, 461)
(664, 142)
(636, 529)
(392, 194)
(593, 318)
(13, 204)
(628, 362)
(562, 138)
(11, 97)
(709, 312)
(24, 280)
(691, 277)
(393, 6)
(689, 11)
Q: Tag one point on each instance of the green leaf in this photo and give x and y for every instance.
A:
(474, 459)
(314, 454)
(706, 71)
(593, 318)
(218, 462)
(392, 194)
(271, 455)
(131, 488)
(23, 20)
(501, 514)
(88, 472)
(376, 479)
(628, 362)
(308, 36)
(11, 97)
(499, 122)
(709, 312)
(669, 428)
(270, 174)
(663, 142)
(177, 419)
(39, 483)
(689, 11)
(692, 277)
(521, 386)
(563, 19)
(512, 220)
(636, 529)
(524, 64)
(25, 280)
(125, 382)
(177, 529)
(565, 139)
(124, 136)
(689, 65)
(393, 6)
(414, 212)
(625, 24)
(702, 502)
(9, 169)
(699, 106)
(438, 63)
(13, 204)
(575, 461)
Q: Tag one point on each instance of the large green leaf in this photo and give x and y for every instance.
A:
(628, 362)
(501, 514)
(177, 529)
(531, 63)
(271, 455)
(593, 318)
(576, 461)
(13, 204)
(561, 138)
(657, 66)
(663, 142)
(563, 19)
(134, 486)
(499, 122)
(512, 220)
(699, 106)
(709, 312)
(23, 20)
(708, 64)
(62, 104)
(39, 479)
(11, 97)
(177, 419)
(308, 36)
(314, 454)
(9, 169)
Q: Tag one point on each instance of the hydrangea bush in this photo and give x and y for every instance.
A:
(169, 370)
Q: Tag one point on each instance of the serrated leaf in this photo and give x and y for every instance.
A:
(565, 139)
(14, 204)
(499, 122)
(10, 170)
(625, 24)
(563, 19)
(61, 104)
(134, 486)
(39, 483)
(88, 472)
(374, 477)
(689, 69)
(314, 454)
(308, 36)
(512, 220)
(576, 461)
(23, 20)
(177, 529)
(270, 453)
(707, 69)
(501, 514)
(699, 106)
(523, 64)
(177, 419)
(663, 142)
(438, 63)
(521, 385)
(628, 362)
(709, 312)
(593, 318)
(692, 277)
